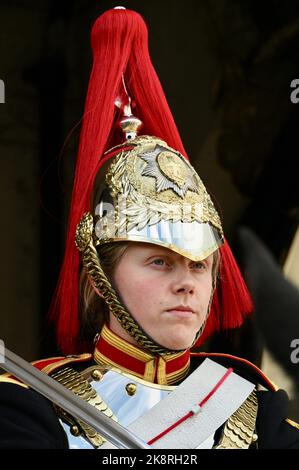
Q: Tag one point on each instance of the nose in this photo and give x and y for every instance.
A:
(183, 282)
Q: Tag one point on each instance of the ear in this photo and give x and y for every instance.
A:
(99, 293)
(96, 289)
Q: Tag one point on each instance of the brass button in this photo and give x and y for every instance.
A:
(75, 431)
(131, 389)
(96, 375)
(254, 437)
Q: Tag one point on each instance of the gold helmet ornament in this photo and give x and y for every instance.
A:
(152, 194)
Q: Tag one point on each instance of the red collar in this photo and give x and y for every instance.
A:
(163, 370)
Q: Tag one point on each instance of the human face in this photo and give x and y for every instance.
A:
(167, 294)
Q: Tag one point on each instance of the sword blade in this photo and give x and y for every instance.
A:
(68, 401)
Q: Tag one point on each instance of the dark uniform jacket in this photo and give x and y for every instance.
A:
(29, 421)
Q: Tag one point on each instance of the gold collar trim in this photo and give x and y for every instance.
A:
(117, 352)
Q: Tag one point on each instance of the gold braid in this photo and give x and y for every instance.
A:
(84, 242)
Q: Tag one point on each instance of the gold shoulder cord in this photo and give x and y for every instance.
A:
(238, 432)
(76, 383)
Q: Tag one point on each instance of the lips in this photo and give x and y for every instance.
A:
(180, 308)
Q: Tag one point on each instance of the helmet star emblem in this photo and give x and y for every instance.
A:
(170, 171)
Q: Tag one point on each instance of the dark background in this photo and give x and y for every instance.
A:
(226, 68)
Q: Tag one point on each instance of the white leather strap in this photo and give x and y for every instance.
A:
(201, 426)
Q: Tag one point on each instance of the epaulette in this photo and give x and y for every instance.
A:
(53, 363)
(243, 367)
(48, 366)
(246, 369)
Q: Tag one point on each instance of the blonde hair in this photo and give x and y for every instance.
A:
(93, 309)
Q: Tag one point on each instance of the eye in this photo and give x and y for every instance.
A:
(199, 265)
(158, 262)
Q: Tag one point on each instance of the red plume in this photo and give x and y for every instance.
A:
(119, 41)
